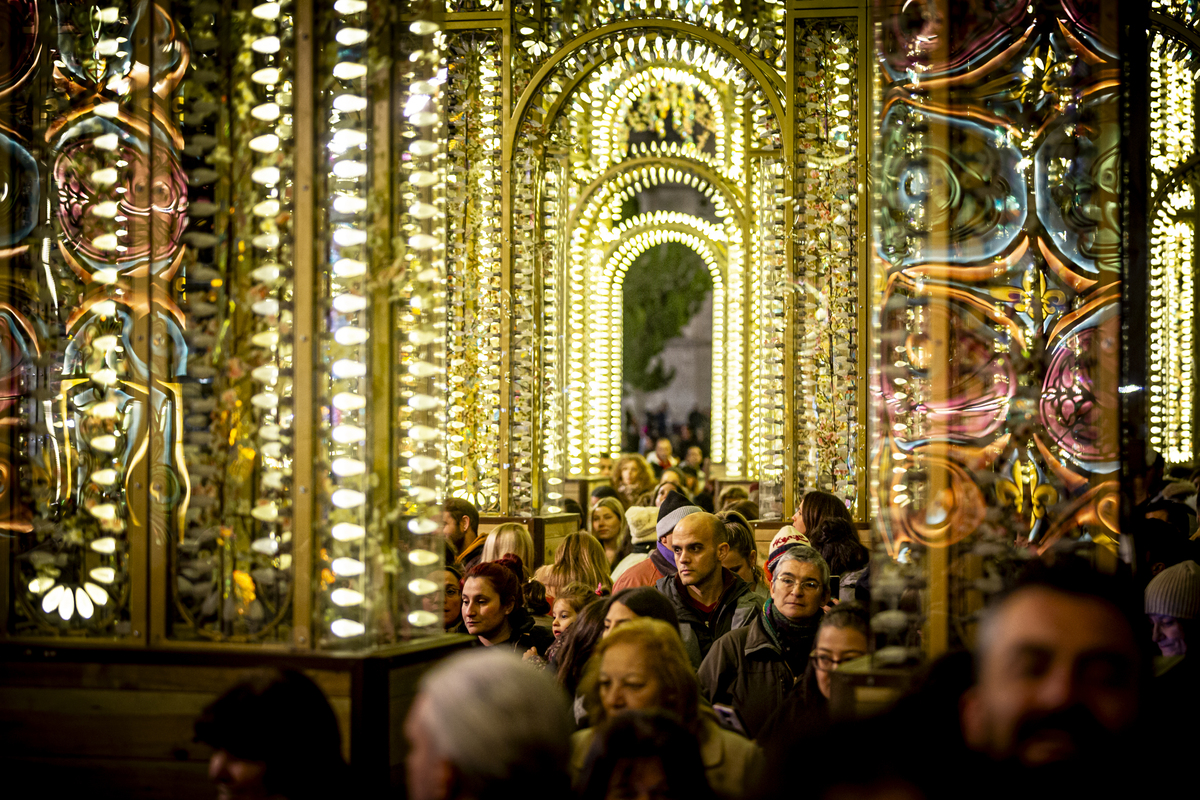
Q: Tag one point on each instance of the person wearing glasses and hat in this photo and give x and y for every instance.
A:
(752, 669)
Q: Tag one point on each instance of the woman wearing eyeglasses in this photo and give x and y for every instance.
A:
(844, 635)
(753, 668)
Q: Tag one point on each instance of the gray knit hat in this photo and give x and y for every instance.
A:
(1175, 592)
(674, 508)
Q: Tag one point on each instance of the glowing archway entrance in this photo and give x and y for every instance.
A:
(605, 326)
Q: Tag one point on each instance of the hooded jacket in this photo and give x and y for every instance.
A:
(738, 606)
(746, 670)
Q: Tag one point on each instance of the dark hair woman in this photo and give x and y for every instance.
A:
(644, 753)
(571, 656)
(849, 560)
(302, 758)
(844, 634)
(817, 506)
(493, 607)
(636, 602)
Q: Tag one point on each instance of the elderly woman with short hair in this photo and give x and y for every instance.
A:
(643, 666)
(753, 668)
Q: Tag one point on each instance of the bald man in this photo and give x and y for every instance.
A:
(709, 600)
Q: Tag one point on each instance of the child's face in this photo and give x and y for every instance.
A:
(563, 615)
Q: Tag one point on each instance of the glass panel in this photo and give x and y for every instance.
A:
(996, 296)
(827, 257)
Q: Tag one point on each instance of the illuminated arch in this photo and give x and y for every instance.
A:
(765, 76)
(630, 90)
(657, 170)
(602, 419)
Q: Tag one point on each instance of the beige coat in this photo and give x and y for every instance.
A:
(732, 763)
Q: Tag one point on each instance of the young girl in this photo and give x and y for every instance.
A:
(570, 601)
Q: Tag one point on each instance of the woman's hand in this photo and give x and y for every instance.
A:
(531, 655)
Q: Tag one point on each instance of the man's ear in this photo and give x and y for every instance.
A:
(722, 551)
(447, 779)
(464, 524)
(971, 719)
(1157, 567)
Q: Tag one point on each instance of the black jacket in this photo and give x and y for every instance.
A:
(526, 633)
(738, 606)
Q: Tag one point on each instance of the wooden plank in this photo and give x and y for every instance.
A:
(149, 677)
(94, 723)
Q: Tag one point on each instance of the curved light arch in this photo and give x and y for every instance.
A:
(765, 76)
(631, 89)
(657, 170)
(603, 417)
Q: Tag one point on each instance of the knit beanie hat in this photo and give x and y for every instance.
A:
(674, 508)
(641, 521)
(787, 538)
(1175, 592)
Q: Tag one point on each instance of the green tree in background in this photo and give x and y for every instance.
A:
(663, 290)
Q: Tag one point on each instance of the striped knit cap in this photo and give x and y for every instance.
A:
(1175, 592)
(787, 538)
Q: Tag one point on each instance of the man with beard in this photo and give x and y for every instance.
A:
(1054, 708)
(1059, 678)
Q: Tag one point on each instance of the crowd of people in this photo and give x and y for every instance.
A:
(654, 657)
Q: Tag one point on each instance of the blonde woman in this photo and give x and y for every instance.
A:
(632, 478)
(642, 666)
(579, 558)
(608, 525)
(510, 537)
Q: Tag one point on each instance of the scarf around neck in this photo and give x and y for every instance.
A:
(793, 638)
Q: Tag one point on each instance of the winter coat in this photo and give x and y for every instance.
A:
(644, 573)
(746, 670)
(736, 608)
(525, 634)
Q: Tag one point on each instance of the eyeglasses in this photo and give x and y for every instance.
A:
(789, 584)
(827, 662)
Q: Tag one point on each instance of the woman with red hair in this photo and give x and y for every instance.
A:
(493, 607)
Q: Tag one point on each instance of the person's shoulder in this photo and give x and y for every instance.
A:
(643, 573)
(627, 563)
(728, 647)
(581, 742)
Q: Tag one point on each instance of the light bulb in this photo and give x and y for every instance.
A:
(103, 574)
(266, 11)
(267, 176)
(345, 368)
(350, 36)
(348, 532)
(346, 628)
(348, 401)
(348, 70)
(266, 44)
(350, 335)
(348, 467)
(347, 567)
(349, 268)
(267, 75)
(267, 143)
(98, 595)
(346, 597)
(348, 434)
(347, 498)
(267, 112)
